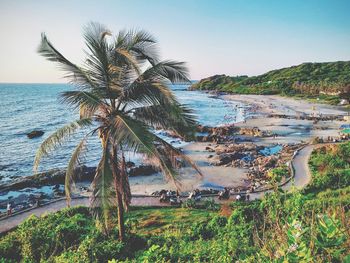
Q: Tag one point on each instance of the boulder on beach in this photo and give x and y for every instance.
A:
(142, 170)
(35, 134)
(226, 158)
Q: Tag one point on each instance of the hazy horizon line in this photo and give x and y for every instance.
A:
(193, 80)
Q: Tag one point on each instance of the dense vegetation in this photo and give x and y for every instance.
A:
(311, 225)
(329, 81)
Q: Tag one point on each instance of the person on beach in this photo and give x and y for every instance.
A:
(238, 197)
(178, 196)
(9, 209)
(162, 197)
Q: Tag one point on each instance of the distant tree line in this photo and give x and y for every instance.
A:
(330, 79)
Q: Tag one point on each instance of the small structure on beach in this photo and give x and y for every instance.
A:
(346, 131)
(345, 126)
(209, 185)
(346, 118)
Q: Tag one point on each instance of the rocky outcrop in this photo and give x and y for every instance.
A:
(142, 170)
(35, 134)
(254, 132)
(51, 177)
(226, 158)
(57, 176)
(251, 157)
(233, 147)
(216, 134)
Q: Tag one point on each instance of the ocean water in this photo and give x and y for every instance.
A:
(27, 107)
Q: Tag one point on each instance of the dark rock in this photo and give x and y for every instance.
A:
(209, 149)
(130, 164)
(51, 177)
(35, 134)
(142, 170)
(226, 158)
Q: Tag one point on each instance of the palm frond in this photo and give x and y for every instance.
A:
(175, 117)
(71, 168)
(132, 134)
(168, 70)
(102, 196)
(147, 93)
(121, 179)
(99, 56)
(140, 43)
(57, 138)
(123, 57)
(75, 74)
(174, 153)
(86, 101)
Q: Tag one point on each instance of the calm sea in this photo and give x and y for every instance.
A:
(26, 107)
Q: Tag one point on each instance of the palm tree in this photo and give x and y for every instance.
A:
(122, 94)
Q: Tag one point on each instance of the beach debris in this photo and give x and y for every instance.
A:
(267, 151)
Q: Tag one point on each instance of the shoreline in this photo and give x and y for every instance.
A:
(288, 132)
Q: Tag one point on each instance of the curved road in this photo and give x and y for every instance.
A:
(302, 177)
(300, 163)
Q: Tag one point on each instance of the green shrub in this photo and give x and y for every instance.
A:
(10, 247)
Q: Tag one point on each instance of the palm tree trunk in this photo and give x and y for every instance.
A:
(121, 226)
(120, 207)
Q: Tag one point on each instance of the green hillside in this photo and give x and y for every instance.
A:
(330, 81)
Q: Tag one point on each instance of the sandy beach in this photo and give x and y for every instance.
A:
(289, 131)
(223, 176)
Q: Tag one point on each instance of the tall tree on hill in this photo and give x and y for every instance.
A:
(122, 94)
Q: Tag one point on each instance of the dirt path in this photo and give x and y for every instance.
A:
(301, 179)
(302, 174)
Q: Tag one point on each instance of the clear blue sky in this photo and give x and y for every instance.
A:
(232, 37)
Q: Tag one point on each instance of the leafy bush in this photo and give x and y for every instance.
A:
(330, 168)
(189, 203)
(209, 204)
(10, 247)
